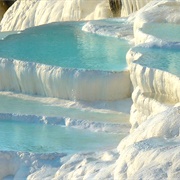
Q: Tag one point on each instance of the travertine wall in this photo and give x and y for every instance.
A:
(26, 13)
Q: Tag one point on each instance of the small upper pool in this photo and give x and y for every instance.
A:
(166, 59)
(165, 31)
(66, 45)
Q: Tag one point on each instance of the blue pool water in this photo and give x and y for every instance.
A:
(165, 31)
(166, 59)
(66, 45)
(31, 107)
(39, 127)
(41, 138)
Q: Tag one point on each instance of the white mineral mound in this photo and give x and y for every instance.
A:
(28, 13)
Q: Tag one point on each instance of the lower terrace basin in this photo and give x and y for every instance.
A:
(45, 138)
(47, 125)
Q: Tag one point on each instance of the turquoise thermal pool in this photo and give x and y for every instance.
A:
(42, 138)
(14, 105)
(66, 45)
(165, 59)
(34, 126)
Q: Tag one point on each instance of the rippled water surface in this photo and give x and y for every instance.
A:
(66, 45)
(41, 138)
(166, 59)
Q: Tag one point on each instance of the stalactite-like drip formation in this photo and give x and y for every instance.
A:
(115, 6)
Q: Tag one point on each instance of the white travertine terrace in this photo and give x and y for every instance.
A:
(71, 84)
(152, 149)
(155, 12)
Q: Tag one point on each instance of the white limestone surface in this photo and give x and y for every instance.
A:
(29, 13)
(69, 84)
(114, 27)
(155, 12)
(150, 151)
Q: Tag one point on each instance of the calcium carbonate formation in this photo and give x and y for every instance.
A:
(151, 151)
(70, 84)
(152, 148)
(28, 13)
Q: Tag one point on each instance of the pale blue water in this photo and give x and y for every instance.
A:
(165, 31)
(31, 107)
(19, 131)
(66, 45)
(7, 33)
(166, 59)
(41, 138)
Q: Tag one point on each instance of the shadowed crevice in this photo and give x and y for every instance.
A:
(115, 6)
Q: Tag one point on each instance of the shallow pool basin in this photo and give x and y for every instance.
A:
(166, 31)
(66, 45)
